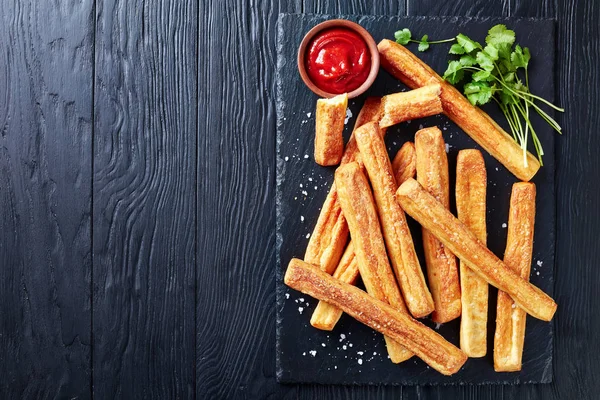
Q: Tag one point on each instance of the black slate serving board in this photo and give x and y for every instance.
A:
(353, 353)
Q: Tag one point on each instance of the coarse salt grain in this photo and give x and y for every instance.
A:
(308, 114)
(300, 309)
(287, 158)
(307, 235)
(344, 347)
(360, 361)
(539, 263)
(306, 156)
(304, 192)
(348, 116)
(287, 295)
(504, 225)
(302, 218)
(313, 353)
(323, 344)
(342, 337)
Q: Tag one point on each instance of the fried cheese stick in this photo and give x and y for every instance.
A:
(329, 142)
(442, 271)
(326, 316)
(328, 239)
(404, 163)
(359, 208)
(396, 233)
(432, 215)
(427, 344)
(471, 186)
(510, 320)
(408, 68)
(404, 106)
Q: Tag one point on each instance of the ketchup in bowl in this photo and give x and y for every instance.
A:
(338, 60)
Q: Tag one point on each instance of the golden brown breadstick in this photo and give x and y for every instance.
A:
(330, 235)
(329, 142)
(510, 320)
(427, 344)
(404, 106)
(442, 271)
(471, 185)
(397, 235)
(404, 163)
(325, 315)
(359, 208)
(414, 73)
(432, 215)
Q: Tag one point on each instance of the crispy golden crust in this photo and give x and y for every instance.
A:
(326, 316)
(330, 235)
(424, 342)
(397, 235)
(329, 142)
(413, 72)
(359, 208)
(510, 320)
(432, 215)
(471, 186)
(442, 271)
(414, 104)
(404, 163)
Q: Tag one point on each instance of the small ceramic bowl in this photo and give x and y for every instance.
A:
(339, 23)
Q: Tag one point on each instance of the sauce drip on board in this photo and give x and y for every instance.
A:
(338, 60)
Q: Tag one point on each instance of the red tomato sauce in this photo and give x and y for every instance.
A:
(338, 60)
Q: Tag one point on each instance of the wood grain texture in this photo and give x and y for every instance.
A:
(46, 56)
(144, 199)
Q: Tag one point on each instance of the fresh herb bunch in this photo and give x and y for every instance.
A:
(495, 72)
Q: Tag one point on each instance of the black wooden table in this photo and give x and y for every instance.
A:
(137, 240)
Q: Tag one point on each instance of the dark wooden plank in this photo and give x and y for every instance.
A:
(353, 7)
(236, 203)
(144, 199)
(46, 61)
(464, 8)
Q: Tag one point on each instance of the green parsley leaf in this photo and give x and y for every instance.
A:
(467, 60)
(403, 36)
(482, 76)
(520, 57)
(478, 92)
(466, 43)
(491, 51)
(457, 49)
(509, 77)
(423, 44)
(454, 73)
(485, 61)
(500, 36)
